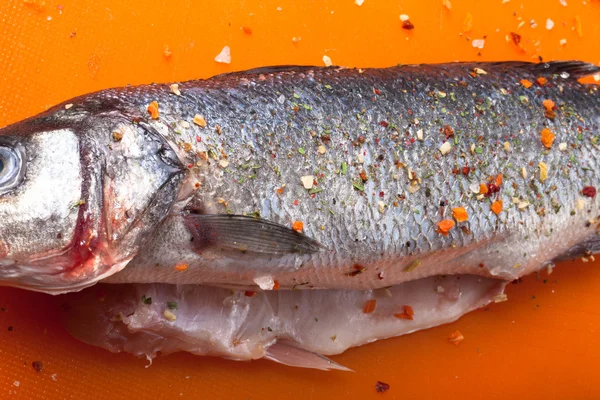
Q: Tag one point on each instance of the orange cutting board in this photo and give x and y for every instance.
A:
(542, 343)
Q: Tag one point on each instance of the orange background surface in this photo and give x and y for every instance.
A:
(543, 343)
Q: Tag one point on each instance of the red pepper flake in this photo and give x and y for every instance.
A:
(38, 366)
(181, 267)
(296, 202)
(276, 285)
(381, 387)
(249, 293)
(369, 306)
(549, 107)
(456, 338)
(298, 226)
(407, 25)
(377, 91)
(491, 189)
(247, 30)
(541, 81)
(460, 214)
(589, 191)
(547, 138)
(445, 226)
(497, 207)
(526, 83)
(448, 131)
(384, 124)
(516, 39)
(407, 314)
(363, 176)
(466, 170)
(153, 110)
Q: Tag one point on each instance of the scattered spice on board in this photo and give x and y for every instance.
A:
(455, 338)
(381, 387)
(468, 23)
(38, 366)
(369, 306)
(247, 30)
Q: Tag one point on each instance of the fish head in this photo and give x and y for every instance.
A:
(79, 198)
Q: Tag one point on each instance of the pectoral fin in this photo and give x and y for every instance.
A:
(293, 356)
(247, 234)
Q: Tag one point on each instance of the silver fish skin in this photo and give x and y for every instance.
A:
(386, 149)
(371, 141)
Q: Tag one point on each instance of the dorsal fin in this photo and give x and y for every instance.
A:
(574, 69)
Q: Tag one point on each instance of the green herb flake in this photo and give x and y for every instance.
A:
(344, 168)
(146, 300)
(479, 150)
(315, 190)
(172, 305)
(358, 186)
(296, 96)
(327, 86)
(301, 150)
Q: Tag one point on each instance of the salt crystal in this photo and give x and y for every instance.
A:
(381, 206)
(360, 159)
(175, 89)
(420, 134)
(359, 2)
(321, 149)
(404, 17)
(445, 148)
(478, 43)
(224, 56)
(580, 204)
(563, 2)
(67, 106)
(327, 61)
(549, 24)
(281, 99)
(562, 146)
(54, 377)
(307, 181)
(265, 282)
(563, 42)
(597, 77)
(224, 163)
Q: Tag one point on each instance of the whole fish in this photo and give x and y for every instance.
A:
(305, 177)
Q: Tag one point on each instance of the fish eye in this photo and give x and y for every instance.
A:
(10, 168)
